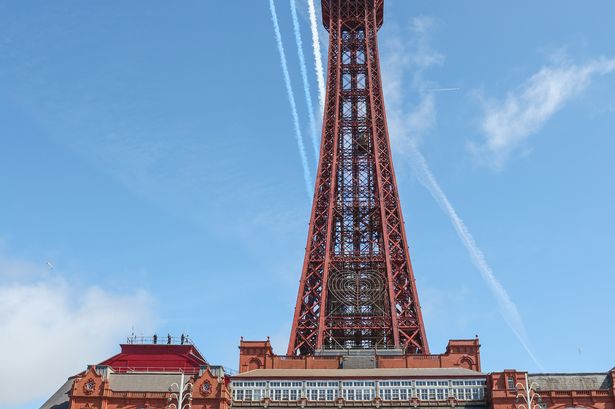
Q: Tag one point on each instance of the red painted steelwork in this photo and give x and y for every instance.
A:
(357, 287)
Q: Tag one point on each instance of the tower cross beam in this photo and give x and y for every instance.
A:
(357, 288)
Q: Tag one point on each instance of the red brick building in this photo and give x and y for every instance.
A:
(147, 376)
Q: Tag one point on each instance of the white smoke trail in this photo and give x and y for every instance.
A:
(320, 72)
(306, 84)
(423, 173)
(406, 127)
(507, 306)
(291, 99)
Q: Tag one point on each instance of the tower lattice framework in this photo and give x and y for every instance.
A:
(357, 288)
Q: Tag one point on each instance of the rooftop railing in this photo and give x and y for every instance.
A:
(159, 340)
(153, 369)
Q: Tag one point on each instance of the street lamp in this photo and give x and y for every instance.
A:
(527, 392)
(181, 393)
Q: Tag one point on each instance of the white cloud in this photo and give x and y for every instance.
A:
(405, 54)
(57, 328)
(508, 123)
(410, 53)
(408, 124)
(14, 269)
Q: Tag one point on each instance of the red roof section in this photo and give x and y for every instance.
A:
(156, 358)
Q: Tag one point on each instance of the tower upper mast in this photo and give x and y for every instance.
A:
(357, 287)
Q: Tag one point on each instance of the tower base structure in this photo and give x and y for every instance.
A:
(459, 354)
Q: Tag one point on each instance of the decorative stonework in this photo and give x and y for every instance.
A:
(206, 388)
(89, 386)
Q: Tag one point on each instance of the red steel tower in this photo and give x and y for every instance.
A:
(357, 287)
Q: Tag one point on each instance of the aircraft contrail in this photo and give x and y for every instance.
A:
(443, 89)
(291, 99)
(306, 83)
(508, 308)
(320, 72)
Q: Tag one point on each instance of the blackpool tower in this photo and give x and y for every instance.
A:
(357, 288)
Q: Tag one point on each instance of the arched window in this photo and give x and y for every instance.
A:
(254, 363)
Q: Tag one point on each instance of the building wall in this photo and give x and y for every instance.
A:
(92, 390)
(259, 355)
(564, 390)
(99, 387)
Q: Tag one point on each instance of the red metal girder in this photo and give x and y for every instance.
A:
(375, 132)
(357, 286)
(323, 300)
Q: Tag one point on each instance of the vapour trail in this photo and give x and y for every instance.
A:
(507, 306)
(306, 83)
(443, 89)
(320, 72)
(291, 99)
(423, 173)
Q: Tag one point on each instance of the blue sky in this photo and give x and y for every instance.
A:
(148, 153)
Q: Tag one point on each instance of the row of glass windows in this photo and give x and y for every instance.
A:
(286, 384)
(335, 384)
(475, 393)
(464, 390)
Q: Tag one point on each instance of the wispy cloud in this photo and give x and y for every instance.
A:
(13, 269)
(50, 323)
(291, 99)
(408, 123)
(507, 307)
(508, 123)
(406, 58)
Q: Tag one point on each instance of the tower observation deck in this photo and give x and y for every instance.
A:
(357, 288)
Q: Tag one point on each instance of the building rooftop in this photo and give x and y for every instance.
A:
(144, 382)
(59, 400)
(143, 366)
(571, 382)
(156, 357)
(359, 373)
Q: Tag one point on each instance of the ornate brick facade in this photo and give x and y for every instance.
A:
(146, 376)
(115, 384)
(555, 391)
(259, 355)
